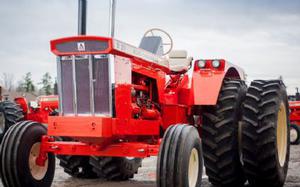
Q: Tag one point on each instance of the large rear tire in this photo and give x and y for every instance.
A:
(295, 134)
(180, 160)
(76, 166)
(10, 113)
(265, 134)
(115, 168)
(18, 153)
(220, 136)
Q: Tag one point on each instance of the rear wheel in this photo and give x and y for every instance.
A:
(180, 158)
(76, 166)
(115, 168)
(19, 150)
(295, 134)
(10, 113)
(265, 133)
(220, 136)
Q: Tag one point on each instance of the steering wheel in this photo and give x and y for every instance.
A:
(165, 37)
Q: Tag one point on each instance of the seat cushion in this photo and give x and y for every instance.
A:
(179, 64)
(178, 54)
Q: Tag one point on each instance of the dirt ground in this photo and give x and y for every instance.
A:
(146, 175)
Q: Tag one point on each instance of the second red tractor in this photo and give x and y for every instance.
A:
(294, 102)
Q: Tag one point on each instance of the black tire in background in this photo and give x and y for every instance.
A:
(220, 136)
(180, 160)
(10, 113)
(115, 168)
(76, 166)
(295, 134)
(265, 133)
(18, 153)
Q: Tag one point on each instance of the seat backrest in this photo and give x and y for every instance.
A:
(178, 61)
(153, 44)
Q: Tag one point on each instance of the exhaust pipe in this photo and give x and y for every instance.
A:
(112, 14)
(82, 5)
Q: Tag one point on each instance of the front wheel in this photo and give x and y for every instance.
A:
(295, 134)
(180, 160)
(19, 150)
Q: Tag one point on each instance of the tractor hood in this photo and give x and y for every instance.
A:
(83, 45)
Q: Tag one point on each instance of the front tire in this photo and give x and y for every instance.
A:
(19, 150)
(180, 158)
(265, 134)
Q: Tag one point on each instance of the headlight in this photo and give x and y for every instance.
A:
(201, 64)
(216, 63)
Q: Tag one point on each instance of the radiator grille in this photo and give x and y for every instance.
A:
(84, 85)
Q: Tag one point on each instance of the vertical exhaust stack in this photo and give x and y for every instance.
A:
(112, 15)
(82, 5)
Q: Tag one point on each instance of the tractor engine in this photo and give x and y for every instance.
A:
(144, 98)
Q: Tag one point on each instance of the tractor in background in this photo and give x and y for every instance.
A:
(10, 113)
(119, 104)
(39, 110)
(294, 103)
(18, 110)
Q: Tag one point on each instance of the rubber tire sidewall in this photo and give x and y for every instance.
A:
(33, 135)
(282, 170)
(174, 156)
(189, 144)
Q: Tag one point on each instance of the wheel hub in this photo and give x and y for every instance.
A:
(2, 122)
(282, 134)
(193, 168)
(37, 172)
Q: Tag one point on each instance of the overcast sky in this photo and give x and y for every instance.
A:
(262, 36)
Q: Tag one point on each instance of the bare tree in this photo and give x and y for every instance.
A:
(7, 81)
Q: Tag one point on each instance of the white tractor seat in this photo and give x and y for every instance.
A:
(178, 61)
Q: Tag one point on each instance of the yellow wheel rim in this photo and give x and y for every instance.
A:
(37, 172)
(193, 168)
(282, 134)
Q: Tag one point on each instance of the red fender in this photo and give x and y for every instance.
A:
(207, 82)
(23, 104)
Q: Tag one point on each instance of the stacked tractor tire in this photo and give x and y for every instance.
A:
(246, 135)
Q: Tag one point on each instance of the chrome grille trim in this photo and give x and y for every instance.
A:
(111, 73)
(74, 85)
(92, 99)
(59, 88)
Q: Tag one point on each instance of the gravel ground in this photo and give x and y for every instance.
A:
(146, 175)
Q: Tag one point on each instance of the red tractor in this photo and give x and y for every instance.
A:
(12, 112)
(40, 109)
(119, 104)
(294, 102)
